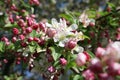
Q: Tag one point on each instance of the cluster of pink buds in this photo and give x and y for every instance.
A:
(35, 2)
(105, 65)
(14, 8)
(5, 39)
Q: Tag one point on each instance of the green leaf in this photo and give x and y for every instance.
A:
(78, 77)
(103, 13)
(55, 53)
(74, 56)
(86, 37)
(11, 25)
(25, 4)
(56, 63)
(32, 10)
(11, 46)
(67, 17)
(32, 48)
(1, 2)
(6, 78)
(111, 5)
(118, 77)
(38, 49)
(91, 54)
(113, 22)
(91, 13)
(33, 33)
(71, 64)
(76, 13)
(2, 46)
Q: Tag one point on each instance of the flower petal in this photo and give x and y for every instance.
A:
(61, 44)
(73, 27)
(54, 22)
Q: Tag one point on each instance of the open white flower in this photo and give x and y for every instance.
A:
(85, 20)
(63, 32)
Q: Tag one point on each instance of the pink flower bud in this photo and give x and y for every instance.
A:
(19, 58)
(14, 39)
(13, 7)
(31, 66)
(42, 27)
(36, 39)
(21, 23)
(51, 69)
(32, 16)
(35, 2)
(29, 21)
(81, 59)
(5, 60)
(92, 24)
(100, 52)
(106, 34)
(96, 65)
(30, 39)
(70, 44)
(18, 62)
(88, 75)
(118, 29)
(22, 37)
(50, 58)
(5, 39)
(15, 31)
(118, 36)
(23, 44)
(17, 17)
(92, 34)
(63, 61)
(105, 76)
(114, 69)
(23, 10)
(51, 32)
(28, 29)
(41, 42)
(11, 18)
(87, 55)
(35, 26)
(7, 43)
(113, 51)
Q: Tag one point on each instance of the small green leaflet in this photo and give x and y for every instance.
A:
(33, 33)
(2, 46)
(55, 53)
(91, 54)
(78, 77)
(32, 48)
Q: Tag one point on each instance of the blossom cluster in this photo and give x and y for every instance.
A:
(105, 66)
(29, 39)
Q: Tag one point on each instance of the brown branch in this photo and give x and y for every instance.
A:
(102, 17)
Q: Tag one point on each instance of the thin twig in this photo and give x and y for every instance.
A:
(107, 15)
